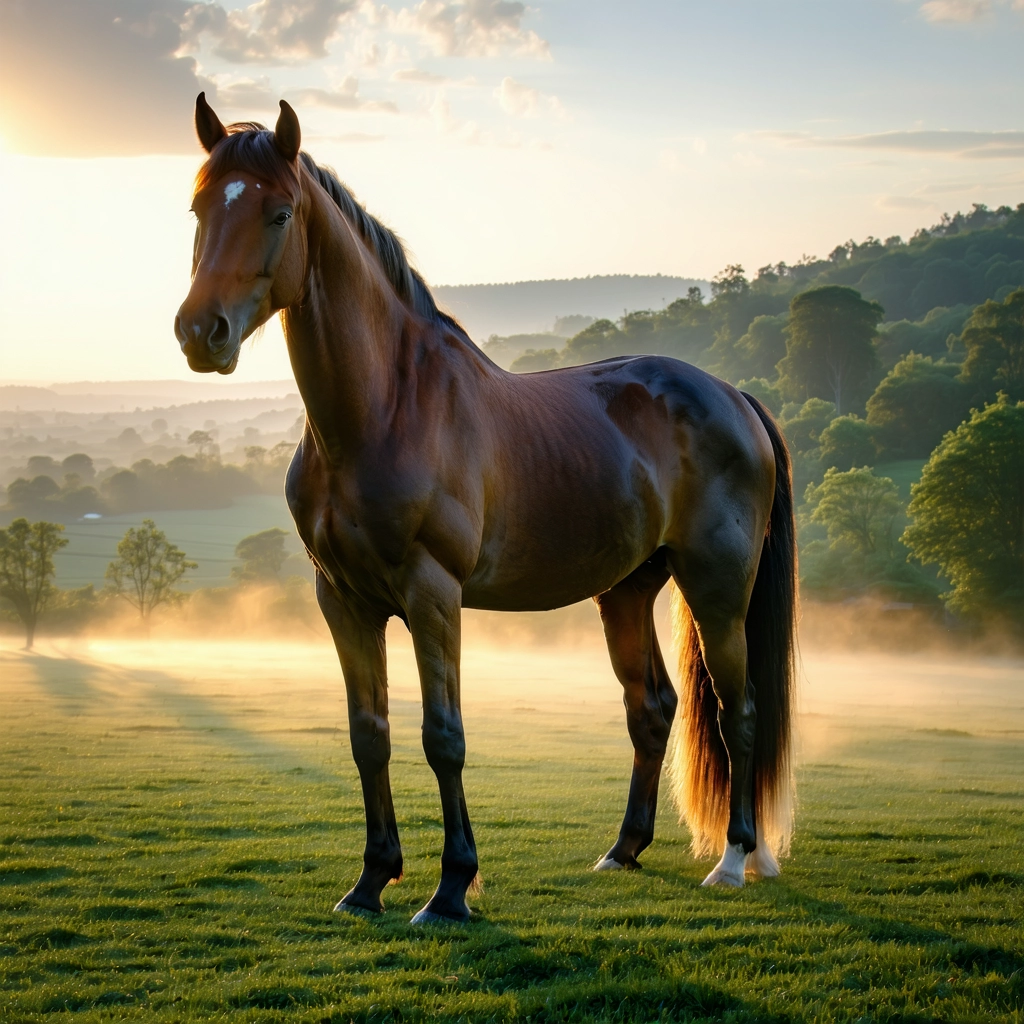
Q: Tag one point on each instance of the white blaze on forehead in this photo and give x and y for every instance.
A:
(232, 191)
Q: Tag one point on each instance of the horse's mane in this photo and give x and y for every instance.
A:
(249, 146)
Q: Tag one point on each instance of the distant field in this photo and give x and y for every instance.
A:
(178, 821)
(207, 537)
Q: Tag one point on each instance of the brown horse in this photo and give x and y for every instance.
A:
(428, 480)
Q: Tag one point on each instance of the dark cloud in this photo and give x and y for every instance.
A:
(114, 77)
(96, 77)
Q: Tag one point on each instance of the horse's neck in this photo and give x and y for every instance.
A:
(343, 338)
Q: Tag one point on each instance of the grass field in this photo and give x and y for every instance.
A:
(178, 821)
(208, 537)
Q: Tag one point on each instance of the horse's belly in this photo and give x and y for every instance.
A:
(541, 591)
(565, 552)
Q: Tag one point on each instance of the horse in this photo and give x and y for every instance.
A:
(428, 479)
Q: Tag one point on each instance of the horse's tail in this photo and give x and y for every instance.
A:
(699, 764)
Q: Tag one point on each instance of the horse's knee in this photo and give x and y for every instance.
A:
(444, 742)
(371, 741)
(648, 730)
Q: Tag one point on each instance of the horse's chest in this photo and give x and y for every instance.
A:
(340, 533)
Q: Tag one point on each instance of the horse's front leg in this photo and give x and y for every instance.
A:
(359, 638)
(435, 619)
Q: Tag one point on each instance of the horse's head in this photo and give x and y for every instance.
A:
(249, 255)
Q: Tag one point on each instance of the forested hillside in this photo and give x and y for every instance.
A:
(873, 359)
(925, 287)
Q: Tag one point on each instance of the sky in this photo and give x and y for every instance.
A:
(502, 141)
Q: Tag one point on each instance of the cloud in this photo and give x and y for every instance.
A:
(269, 31)
(472, 28)
(247, 94)
(120, 77)
(973, 145)
(961, 12)
(344, 97)
(448, 124)
(955, 10)
(347, 137)
(97, 78)
(418, 77)
(521, 100)
(904, 203)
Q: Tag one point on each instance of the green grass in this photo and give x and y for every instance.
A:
(173, 837)
(207, 537)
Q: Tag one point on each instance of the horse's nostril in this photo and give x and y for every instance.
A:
(178, 333)
(221, 334)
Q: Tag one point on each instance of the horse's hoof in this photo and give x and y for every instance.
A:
(762, 863)
(609, 863)
(719, 877)
(356, 910)
(428, 917)
(729, 870)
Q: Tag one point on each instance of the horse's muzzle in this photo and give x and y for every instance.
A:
(207, 340)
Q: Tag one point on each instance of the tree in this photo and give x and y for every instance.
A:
(915, 404)
(26, 494)
(758, 352)
(147, 568)
(830, 347)
(262, 556)
(598, 341)
(203, 440)
(968, 511)
(858, 509)
(255, 456)
(803, 424)
(26, 568)
(847, 442)
(994, 340)
(535, 359)
(767, 394)
(81, 465)
(731, 281)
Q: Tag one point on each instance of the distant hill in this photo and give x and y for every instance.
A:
(24, 396)
(531, 307)
(117, 395)
(939, 267)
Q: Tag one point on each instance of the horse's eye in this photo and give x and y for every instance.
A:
(281, 219)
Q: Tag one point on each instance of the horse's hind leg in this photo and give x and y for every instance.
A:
(627, 611)
(359, 638)
(716, 579)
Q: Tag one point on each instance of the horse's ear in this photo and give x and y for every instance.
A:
(287, 135)
(208, 126)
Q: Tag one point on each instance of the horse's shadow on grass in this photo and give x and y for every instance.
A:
(544, 982)
(946, 951)
(78, 686)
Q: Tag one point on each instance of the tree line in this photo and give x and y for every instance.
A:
(146, 572)
(854, 390)
(72, 487)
